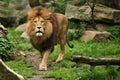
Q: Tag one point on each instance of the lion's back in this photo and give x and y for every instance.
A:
(62, 27)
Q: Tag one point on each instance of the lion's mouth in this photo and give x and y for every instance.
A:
(39, 33)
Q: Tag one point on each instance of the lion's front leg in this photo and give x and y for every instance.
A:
(43, 64)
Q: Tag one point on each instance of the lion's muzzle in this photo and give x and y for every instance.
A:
(39, 31)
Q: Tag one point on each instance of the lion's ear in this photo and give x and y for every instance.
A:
(29, 15)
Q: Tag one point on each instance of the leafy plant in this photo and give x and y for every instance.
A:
(115, 31)
(77, 30)
(6, 48)
(59, 6)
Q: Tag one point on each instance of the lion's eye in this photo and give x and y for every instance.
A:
(43, 22)
(35, 21)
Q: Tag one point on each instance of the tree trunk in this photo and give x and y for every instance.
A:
(96, 61)
(8, 74)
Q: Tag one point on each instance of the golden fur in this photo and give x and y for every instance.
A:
(46, 29)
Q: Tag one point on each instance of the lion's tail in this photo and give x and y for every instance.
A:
(70, 45)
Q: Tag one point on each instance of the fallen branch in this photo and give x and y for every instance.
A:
(96, 61)
(8, 74)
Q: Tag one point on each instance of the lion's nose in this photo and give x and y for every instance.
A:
(38, 27)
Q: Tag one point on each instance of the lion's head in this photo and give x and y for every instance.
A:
(39, 25)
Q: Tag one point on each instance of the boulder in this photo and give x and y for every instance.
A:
(75, 12)
(24, 35)
(13, 11)
(101, 27)
(96, 36)
(8, 74)
(19, 8)
(101, 13)
(21, 28)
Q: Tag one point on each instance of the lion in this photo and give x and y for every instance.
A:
(46, 29)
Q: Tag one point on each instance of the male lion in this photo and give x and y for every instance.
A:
(45, 30)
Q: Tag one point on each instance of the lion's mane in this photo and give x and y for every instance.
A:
(50, 39)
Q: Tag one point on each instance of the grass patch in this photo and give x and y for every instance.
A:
(18, 42)
(66, 71)
(21, 67)
(91, 49)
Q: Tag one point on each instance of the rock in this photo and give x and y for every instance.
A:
(74, 2)
(24, 35)
(8, 74)
(101, 27)
(95, 35)
(102, 37)
(21, 28)
(19, 7)
(13, 11)
(72, 12)
(4, 9)
(101, 13)
(110, 3)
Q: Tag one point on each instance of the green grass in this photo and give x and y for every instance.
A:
(65, 70)
(18, 42)
(91, 49)
(21, 67)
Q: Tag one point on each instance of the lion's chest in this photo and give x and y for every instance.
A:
(42, 43)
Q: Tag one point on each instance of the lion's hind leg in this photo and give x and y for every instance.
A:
(61, 54)
(62, 49)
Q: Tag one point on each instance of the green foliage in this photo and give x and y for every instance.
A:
(115, 32)
(82, 2)
(60, 6)
(6, 49)
(77, 30)
(7, 1)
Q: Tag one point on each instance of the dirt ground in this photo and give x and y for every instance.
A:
(34, 59)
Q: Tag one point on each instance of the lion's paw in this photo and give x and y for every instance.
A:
(58, 60)
(43, 67)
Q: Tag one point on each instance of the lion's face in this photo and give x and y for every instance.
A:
(39, 26)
